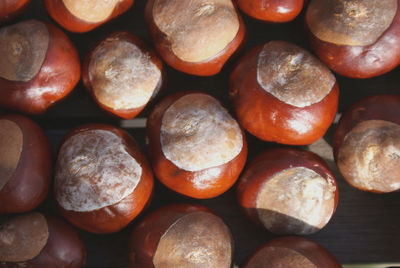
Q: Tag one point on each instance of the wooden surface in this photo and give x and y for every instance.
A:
(365, 227)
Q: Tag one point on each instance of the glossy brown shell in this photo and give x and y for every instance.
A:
(314, 252)
(62, 16)
(29, 185)
(269, 163)
(125, 113)
(204, 68)
(362, 61)
(275, 11)
(113, 218)
(59, 73)
(178, 179)
(12, 8)
(266, 117)
(147, 233)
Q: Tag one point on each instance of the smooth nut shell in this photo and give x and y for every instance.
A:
(12, 8)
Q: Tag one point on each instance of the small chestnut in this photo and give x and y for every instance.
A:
(281, 93)
(196, 147)
(355, 38)
(288, 191)
(195, 37)
(275, 11)
(293, 252)
(35, 240)
(367, 144)
(39, 66)
(25, 164)
(83, 16)
(123, 74)
(102, 179)
(181, 236)
(11, 8)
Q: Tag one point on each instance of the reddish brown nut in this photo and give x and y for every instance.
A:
(39, 66)
(83, 16)
(275, 11)
(367, 144)
(195, 37)
(11, 8)
(181, 236)
(356, 38)
(288, 191)
(123, 74)
(25, 164)
(293, 252)
(102, 180)
(282, 93)
(196, 147)
(35, 240)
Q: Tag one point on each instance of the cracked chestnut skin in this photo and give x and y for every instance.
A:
(361, 61)
(12, 8)
(58, 11)
(275, 11)
(146, 235)
(180, 180)
(64, 248)
(313, 252)
(29, 184)
(375, 107)
(207, 67)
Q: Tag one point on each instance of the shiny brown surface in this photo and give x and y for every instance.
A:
(182, 181)
(12, 8)
(276, 11)
(29, 184)
(113, 218)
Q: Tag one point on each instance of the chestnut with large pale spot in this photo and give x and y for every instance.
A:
(25, 164)
(356, 38)
(12, 8)
(288, 191)
(102, 179)
(275, 11)
(83, 16)
(123, 74)
(181, 236)
(37, 240)
(39, 66)
(293, 252)
(281, 93)
(195, 37)
(367, 144)
(196, 147)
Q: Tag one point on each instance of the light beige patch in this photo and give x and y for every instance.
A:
(23, 238)
(296, 201)
(122, 76)
(369, 157)
(292, 75)
(197, 30)
(199, 239)
(198, 133)
(23, 48)
(94, 170)
(350, 22)
(91, 10)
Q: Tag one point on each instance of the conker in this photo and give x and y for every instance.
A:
(35, 240)
(123, 74)
(275, 11)
(25, 164)
(293, 252)
(181, 236)
(281, 93)
(288, 191)
(367, 144)
(39, 66)
(83, 16)
(195, 37)
(196, 147)
(102, 179)
(11, 8)
(355, 38)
